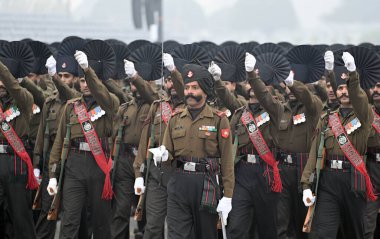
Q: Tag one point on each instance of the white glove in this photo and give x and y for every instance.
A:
(37, 174)
(81, 58)
(168, 62)
(215, 71)
(349, 61)
(52, 187)
(129, 68)
(20, 80)
(250, 62)
(139, 186)
(290, 80)
(308, 198)
(51, 65)
(224, 206)
(329, 60)
(160, 154)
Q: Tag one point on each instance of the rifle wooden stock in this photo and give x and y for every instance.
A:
(54, 208)
(139, 209)
(37, 199)
(309, 219)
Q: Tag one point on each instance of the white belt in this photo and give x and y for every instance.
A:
(3, 148)
(336, 164)
(84, 146)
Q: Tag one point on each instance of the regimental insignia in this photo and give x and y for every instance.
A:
(342, 139)
(298, 119)
(87, 126)
(64, 65)
(96, 113)
(11, 113)
(262, 119)
(252, 127)
(190, 74)
(352, 126)
(5, 126)
(225, 133)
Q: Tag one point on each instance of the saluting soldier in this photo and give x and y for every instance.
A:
(16, 170)
(198, 139)
(344, 180)
(158, 117)
(87, 170)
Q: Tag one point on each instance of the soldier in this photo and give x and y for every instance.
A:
(87, 170)
(343, 178)
(52, 110)
(198, 139)
(373, 163)
(129, 121)
(297, 126)
(16, 169)
(258, 183)
(158, 117)
(332, 102)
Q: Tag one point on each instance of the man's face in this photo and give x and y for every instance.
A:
(34, 77)
(169, 86)
(67, 78)
(342, 94)
(330, 92)
(231, 86)
(83, 87)
(3, 90)
(376, 93)
(194, 95)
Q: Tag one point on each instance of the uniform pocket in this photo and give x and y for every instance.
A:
(210, 142)
(329, 139)
(76, 129)
(178, 137)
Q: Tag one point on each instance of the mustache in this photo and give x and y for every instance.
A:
(196, 98)
(343, 95)
(375, 94)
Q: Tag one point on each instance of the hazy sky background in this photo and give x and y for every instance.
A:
(296, 21)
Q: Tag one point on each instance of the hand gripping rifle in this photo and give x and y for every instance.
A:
(320, 162)
(53, 211)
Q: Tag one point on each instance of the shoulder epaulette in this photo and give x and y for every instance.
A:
(72, 101)
(240, 109)
(220, 113)
(179, 111)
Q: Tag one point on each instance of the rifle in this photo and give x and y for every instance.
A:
(149, 156)
(116, 151)
(53, 211)
(320, 162)
(38, 196)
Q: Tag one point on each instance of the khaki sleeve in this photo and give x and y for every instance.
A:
(114, 88)
(274, 107)
(145, 89)
(229, 100)
(39, 144)
(23, 97)
(168, 140)
(311, 161)
(178, 84)
(38, 94)
(227, 162)
(313, 104)
(50, 87)
(359, 100)
(331, 78)
(65, 92)
(56, 151)
(144, 140)
(103, 97)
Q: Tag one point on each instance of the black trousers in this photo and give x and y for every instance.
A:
(372, 210)
(184, 217)
(124, 195)
(338, 206)
(15, 199)
(82, 188)
(252, 200)
(291, 210)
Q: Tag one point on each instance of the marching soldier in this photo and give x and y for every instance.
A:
(373, 164)
(87, 170)
(16, 169)
(198, 139)
(343, 179)
(159, 115)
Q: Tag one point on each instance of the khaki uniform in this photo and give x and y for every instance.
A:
(293, 147)
(131, 116)
(252, 186)
(83, 179)
(13, 171)
(231, 101)
(338, 203)
(198, 140)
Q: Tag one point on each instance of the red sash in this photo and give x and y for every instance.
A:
(350, 152)
(96, 148)
(18, 148)
(166, 111)
(376, 121)
(262, 148)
